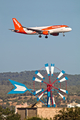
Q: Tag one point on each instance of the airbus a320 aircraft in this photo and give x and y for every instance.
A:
(45, 30)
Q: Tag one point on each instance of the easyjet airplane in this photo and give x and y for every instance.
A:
(45, 30)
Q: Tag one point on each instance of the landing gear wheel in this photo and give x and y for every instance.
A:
(40, 36)
(46, 36)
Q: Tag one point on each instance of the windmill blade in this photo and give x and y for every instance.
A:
(19, 88)
(40, 97)
(61, 74)
(47, 69)
(48, 102)
(39, 74)
(48, 98)
(37, 91)
(63, 79)
(37, 80)
(54, 102)
(61, 96)
(52, 69)
(65, 91)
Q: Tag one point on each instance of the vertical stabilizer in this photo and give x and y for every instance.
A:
(17, 25)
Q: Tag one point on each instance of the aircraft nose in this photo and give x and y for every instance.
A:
(70, 29)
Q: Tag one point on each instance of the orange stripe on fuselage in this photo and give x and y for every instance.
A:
(54, 27)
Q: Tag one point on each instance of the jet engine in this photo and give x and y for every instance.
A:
(55, 34)
(45, 32)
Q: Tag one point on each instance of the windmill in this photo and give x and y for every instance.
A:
(53, 89)
(49, 87)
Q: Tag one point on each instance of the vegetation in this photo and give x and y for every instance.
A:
(68, 114)
(37, 118)
(34, 118)
(8, 114)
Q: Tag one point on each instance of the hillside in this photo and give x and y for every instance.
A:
(28, 75)
(25, 77)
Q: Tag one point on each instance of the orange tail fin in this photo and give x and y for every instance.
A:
(17, 25)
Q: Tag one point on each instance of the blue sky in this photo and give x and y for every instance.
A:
(25, 52)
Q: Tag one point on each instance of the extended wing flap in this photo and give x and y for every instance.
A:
(38, 31)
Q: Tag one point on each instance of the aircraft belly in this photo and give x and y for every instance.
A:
(32, 33)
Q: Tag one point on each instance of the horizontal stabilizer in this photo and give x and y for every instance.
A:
(14, 30)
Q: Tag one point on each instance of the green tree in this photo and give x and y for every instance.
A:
(68, 114)
(34, 118)
(13, 117)
(8, 114)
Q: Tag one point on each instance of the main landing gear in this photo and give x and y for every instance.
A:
(41, 36)
(46, 36)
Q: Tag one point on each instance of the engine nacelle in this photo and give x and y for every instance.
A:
(55, 34)
(45, 32)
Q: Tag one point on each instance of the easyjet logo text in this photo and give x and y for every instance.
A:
(17, 23)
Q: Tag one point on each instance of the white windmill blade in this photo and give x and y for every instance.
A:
(47, 69)
(63, 79)
(52, 69)
(39, 74)
(41, 95)
(61, 96)
(54, 102)
(65, 91)
(61, 74)
(37, 91)
(36, 79)
(48, 101)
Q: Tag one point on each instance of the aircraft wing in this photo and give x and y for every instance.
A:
(38, 31)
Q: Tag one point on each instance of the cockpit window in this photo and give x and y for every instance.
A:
(67, 27)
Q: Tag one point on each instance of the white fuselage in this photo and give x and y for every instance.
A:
(56, 30)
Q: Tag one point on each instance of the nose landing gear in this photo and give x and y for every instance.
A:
(63, 35)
